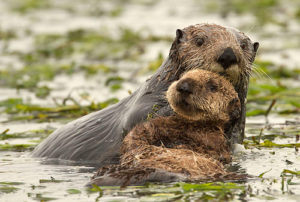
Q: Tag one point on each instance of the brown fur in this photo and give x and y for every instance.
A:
(209, 100)
(215, 40)
(171, 144)
(189, 146)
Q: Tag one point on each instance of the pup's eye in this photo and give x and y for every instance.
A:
(244, 45)
(212, 86)
(199, 41)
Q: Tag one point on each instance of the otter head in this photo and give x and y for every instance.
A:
(226, 51)
(200, 95)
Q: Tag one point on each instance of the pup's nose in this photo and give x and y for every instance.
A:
(227, 58)
(184, 87)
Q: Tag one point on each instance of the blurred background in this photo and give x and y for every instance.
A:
(62, 59)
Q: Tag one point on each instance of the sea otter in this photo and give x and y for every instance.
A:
(96, 138)
(188, 146)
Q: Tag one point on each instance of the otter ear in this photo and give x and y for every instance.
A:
(255, 46)
(180, 36)
(234, 109)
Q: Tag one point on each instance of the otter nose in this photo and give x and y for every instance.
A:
(227, 58)
(184, 87)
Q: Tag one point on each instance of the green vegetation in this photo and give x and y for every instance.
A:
(7, 34)
(265, 11)
(270, 144)
(16, 147)
(183, 191)
(297, 14)
(154, 65)
(268, 87)
(8, 189)
(288, 179)
(29, 78)
(128, 45)
(42, 92)
(24, 6)
(23, 111)
(63, 49)
(52, 180)
(41, 133)
(40, 197)
(73, 191)
(11, 183)
(114, 82)
(296, 173)
(94, 69)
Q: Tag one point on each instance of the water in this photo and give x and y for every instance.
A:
(19, 167)
(38, 179)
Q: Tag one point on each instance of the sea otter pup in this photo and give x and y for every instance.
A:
(97, 137)
(188, 146)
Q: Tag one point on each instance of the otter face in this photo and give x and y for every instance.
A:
(200, 95)
(226, 51)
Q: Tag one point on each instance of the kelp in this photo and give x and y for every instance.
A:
(52, 180)
(264, 11)
(269, 144)
(8, 189)
(24, 6)
(286, 171)
(270, 94)
(179, 191)
(16, 147)
(40, 133)
(73, 191)
(128, 45)
(43, 61)
(23, 111)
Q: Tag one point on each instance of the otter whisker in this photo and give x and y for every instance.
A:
(261, 72)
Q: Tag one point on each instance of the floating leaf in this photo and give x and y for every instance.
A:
(73, 191)
(8, 189)
(11, 183)
(16, 147)
(52, 180)
(210, 186)
(263, 173)
(297, 173)
(42, 92)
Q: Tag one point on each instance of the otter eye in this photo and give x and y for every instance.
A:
(212, 86)
(199, 41)
(244, 45)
